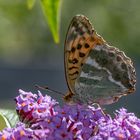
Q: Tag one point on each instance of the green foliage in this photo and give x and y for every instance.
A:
(23, 30)
(8, 118)
(51, 9)
(30, 3)
(3, 122)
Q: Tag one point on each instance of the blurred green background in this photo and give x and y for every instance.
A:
(29, 56)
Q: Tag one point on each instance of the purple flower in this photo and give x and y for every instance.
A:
(32, 107)
(17, 133)
(125, 126)
(20, 132)
(42, 118)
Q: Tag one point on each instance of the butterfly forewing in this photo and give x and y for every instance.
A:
(95, 71)
(77, 47)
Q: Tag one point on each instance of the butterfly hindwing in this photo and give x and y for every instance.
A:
(106, 75)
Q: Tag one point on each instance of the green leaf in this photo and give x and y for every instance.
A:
(30, 3)
(51, 9)
(3, 122)
(10, 116)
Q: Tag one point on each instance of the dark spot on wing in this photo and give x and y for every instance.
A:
(102, 59)
(73, 67)
(104, 62)
(83, 37)
(99, 43)
(119, 58)
(74, 61)
(75, 24)
(73, 49)
(125, 80)
(79, 46)
(71, 74)
(79, 31)
(111, 54)
(87, 45)
(123, 66)
(129, 85)
(81, 54)
(87, 29)
(115, 99)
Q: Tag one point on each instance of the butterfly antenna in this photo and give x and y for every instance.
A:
(49, 89)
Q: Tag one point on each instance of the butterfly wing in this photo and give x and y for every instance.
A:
(106, 75)
(95, 71)
(79, 41)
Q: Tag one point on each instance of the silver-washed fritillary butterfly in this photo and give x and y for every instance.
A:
(95, 71)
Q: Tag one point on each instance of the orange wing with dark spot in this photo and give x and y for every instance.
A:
(80, 39)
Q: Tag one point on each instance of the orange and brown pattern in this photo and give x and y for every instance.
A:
(81, 38)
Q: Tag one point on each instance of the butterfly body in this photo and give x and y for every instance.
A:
(95, 71)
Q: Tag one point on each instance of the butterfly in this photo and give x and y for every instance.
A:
(95, 71)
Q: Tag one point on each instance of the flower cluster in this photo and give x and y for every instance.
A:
(32, 107)
(41, 118)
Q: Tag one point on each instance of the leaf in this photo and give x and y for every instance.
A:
(3, 122)
(10, 116)
(51, 9)
(30, 3)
